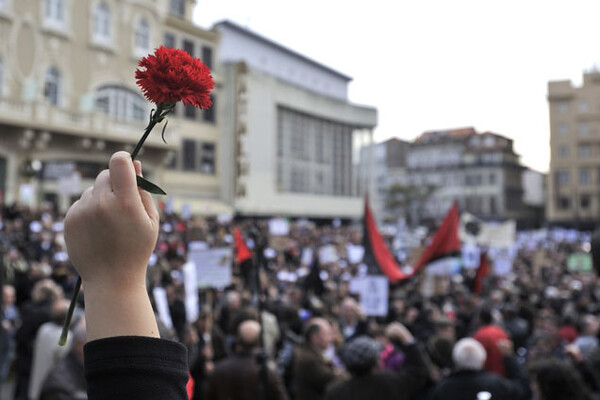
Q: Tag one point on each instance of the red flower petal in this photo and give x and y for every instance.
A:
(170, 75)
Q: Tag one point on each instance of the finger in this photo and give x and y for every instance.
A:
(138, 167)
(122, 175)
(102, 183)
(147, 200)
(86, 195)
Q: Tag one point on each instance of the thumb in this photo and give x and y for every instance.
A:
(122, 175)
(147, 200)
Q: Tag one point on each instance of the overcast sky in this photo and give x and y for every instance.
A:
(438, 64)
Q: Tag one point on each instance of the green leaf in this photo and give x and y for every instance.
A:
(148, 186)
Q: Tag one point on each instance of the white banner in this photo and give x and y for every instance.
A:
(162, 305)
(213, 266)
(472, 230)
(190, 281)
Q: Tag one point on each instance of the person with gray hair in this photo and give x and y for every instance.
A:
(470, 381)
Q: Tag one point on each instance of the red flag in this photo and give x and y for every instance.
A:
(243, 253)
(482, 272)
(377, 253)
(190, 386)
(445, 241)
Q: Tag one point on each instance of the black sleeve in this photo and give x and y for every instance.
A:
(414, 373)
(132, 367)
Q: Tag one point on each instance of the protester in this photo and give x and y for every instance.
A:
(312, 370)
(470, 381)
(66, 380)
(240, 377)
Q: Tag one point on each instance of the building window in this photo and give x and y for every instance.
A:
(209, 113)
(562, 177)
(583, 105)
(189, 155)
(172, 164)
(563, 151)
(492, 178)
(207, 56)
(563, 107)
(169, 40)
(207, 158)
(584, 150)
(55, 13)
(493, 206)
(584, 177)
(121, 103)
(52, 86)
(584, 202)
(178, 7)
(563, 129)
(564, 203)
(584, 129)
(189, 111)
(142, 36)
(102, 23)
(188, 46)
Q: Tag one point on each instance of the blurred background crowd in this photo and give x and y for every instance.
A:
(532, 333)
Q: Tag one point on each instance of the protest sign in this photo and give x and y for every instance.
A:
(471, 256)
(354, 253)
(190, 279)
(373, 292)
(213, 266)
(279, 227)
(580, 262)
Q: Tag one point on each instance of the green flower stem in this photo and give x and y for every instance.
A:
(161, 112)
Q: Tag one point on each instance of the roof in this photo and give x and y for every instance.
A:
(269, 42)
(457, 134)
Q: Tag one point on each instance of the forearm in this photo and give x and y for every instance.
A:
(117, 311)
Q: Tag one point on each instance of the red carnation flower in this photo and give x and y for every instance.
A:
(172, 75)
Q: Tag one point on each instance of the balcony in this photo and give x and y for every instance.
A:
(38, 115)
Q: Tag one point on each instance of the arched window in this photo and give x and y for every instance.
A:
(142, 35)
(55, 12)
(102, 22)
(121, 103)
(52, 86)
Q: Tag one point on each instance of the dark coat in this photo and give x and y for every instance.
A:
(237, 378)
(66, 381)
(466, 384)
(312, 373)
(385, 385)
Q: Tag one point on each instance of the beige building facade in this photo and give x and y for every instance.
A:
(574, 178)
(68, 100)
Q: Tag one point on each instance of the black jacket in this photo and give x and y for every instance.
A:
(135, 368)
(385, 385)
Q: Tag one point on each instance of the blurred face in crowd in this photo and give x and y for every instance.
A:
(8, 295)
(324, 337)
(349, 310)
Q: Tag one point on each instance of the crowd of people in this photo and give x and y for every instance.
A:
(289, 326)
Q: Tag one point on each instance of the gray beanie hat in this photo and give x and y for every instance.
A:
(361, 355)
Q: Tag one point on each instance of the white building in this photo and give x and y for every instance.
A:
(291, 141)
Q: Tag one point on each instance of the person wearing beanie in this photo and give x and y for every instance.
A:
(361, 357)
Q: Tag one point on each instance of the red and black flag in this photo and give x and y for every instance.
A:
(482, 271)
(445, 241)
(378, 257)
(243, 257)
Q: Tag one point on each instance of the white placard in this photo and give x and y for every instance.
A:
(162, 305)
(213, 266)
(307, 256)
(279, 227)
(444, 267)
(354, 253)
(471, 256)
(190, 281)
(328, 254)
(373, 291)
